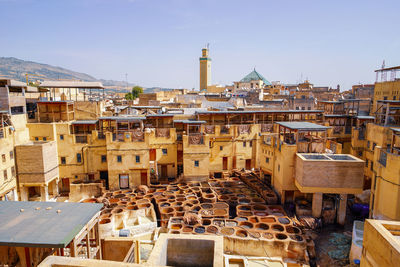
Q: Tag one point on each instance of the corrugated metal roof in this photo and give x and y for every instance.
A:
(302, 125)
(337, 116)
(366, 117)
(121, 118)
(85, 122)
(71, 84)
(189, 122)
(258, 111)
(43, 227)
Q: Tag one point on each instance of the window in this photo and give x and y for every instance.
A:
(119, 158)
(103, 158)
(385, 98)
(279, 167)
(373, 146)
(267, 160)
(366, 163)
(5, 174)
(63, 161)
(123, 181)
(3, 157)
(13, 171)
(372, 166)
(196, 163)
(44, 138)
(36, 138)
(11, 154)
(220, 148)
(360, 153)
(368, 143)
(61, 137)
(78, 157)
(251, 143)
(164, 151)
(244, 144)
(137, 159)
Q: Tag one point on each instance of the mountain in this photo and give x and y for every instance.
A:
(15, 68)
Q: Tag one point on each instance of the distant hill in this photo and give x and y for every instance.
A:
(15, 68)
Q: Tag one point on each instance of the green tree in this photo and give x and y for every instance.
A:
(128, 96)
(136, 90)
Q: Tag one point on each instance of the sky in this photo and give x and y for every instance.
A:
(159, 42)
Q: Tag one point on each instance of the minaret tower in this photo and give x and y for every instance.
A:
(205, 69)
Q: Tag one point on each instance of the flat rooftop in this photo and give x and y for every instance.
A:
(302, 126)
(38, 224)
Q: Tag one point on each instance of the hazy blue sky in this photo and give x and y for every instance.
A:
(158, 43)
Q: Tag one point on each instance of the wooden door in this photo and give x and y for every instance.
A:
(164, 171)
(143, 177)
(225, 163)
(123, 181)
(153, 154)
(248, 164)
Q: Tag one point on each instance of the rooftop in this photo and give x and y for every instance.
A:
(39, 224)
(255, 76)
(303, 126)
(71, 84)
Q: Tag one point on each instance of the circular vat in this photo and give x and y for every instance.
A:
(292, 230)
(199, 229)
(268, 235)
(227, 231)
(296, 238)
(261, 227)
(281, 236)
(246, 225)
(284, 220)
(241, 233)
(206, 222)
(176, 226)
(212, 229)
(277, 228)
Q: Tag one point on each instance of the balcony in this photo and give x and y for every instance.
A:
(196, 139)
(81, 139)
(326, 173)
(163, 132)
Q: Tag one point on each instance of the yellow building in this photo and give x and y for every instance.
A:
(205, 69)
(386, 89)
(380, 244)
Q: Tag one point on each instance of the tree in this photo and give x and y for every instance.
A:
(128, 96)
(136, 90)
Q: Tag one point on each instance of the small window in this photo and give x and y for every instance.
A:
(360, 153)
(119, 158)
(266, 160)
(196, 163)
(11, 154)
(103, 158)
(36, 138)
(366, 163)
(220, 148)
(5, 174)
(373, 146)
(63, 161)
(61, 137)
(44, 138)
(13, 171)
(3, 157)
(279, 167)
(251, 143)
(137, 159)
(164, 151)
(368, 143)
(372, 166)
(78, 157)
(244, 144)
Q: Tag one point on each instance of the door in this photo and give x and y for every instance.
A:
(104, 177)
(248, 164)
(153, 154)
(234, 162)
(64, 185)
(164, 171)
(123, 181)
(143, 177)
(225, 163)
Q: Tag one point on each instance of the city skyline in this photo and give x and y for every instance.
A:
(157, 43)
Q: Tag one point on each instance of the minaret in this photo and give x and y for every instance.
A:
(205, 69)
